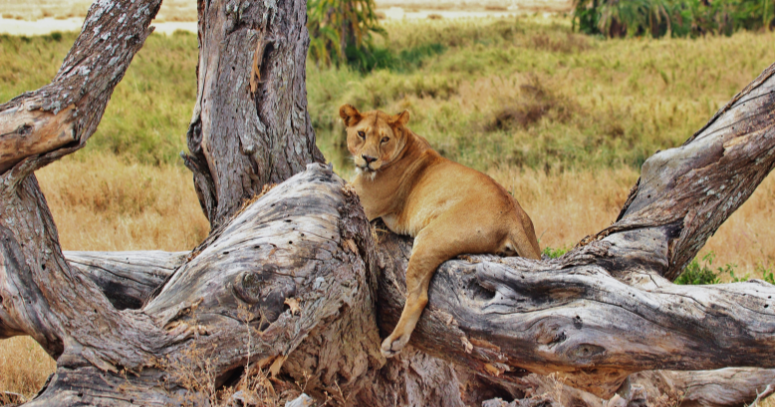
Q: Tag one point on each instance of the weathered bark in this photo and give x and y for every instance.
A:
(250, 125)
(717, 388)
(72, 104)
(127, 278)
(725, 387)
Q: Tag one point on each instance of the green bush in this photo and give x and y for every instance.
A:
(675, 18)
(341, 31)
(697, 273)
(701, 272)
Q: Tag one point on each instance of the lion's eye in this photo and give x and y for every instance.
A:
(385, 139)
(361, 134)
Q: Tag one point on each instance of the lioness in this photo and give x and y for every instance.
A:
(448, 208)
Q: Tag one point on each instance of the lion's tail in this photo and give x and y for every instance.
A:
(523, 239)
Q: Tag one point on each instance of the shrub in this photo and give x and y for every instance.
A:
(341, 31)
(697, 273)
(702, 272)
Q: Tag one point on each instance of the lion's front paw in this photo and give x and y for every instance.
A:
(392, 346)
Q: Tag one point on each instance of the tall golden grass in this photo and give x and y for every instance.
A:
(103, 203)
(569, 205)
(24, 366)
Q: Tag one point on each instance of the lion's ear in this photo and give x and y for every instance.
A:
(350, 115)
(400, 119)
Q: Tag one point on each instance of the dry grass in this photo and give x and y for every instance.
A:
(24, 366)
(102, 203)
(569, 205)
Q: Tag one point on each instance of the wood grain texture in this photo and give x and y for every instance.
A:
(507, 316)
(715, 388)
(412, 379)
(25, 132)
(419, 379)
(250, 125)
(127, 278)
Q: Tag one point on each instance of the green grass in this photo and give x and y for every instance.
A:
(702, 272)
(523, 92)
(605, 103)
(554, 253)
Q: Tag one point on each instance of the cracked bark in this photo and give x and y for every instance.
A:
(256, 129)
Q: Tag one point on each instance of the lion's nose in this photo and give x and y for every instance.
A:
(368, 159)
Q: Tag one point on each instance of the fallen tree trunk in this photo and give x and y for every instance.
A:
(291, 283)
(724, 387)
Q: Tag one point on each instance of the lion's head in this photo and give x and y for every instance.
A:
(374, 138)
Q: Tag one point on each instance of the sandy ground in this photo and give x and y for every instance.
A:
(38, 17)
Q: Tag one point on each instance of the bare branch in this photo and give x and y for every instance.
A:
(41, 126)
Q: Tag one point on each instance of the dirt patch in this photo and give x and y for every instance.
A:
(535, 101)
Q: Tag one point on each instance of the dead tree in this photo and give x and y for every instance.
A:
(122, 325)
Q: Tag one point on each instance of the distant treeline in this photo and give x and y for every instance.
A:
(675, 18)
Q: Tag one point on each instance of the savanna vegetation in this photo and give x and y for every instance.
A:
(562, 120)
(673, 18)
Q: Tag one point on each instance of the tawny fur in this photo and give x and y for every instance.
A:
(448, 208)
